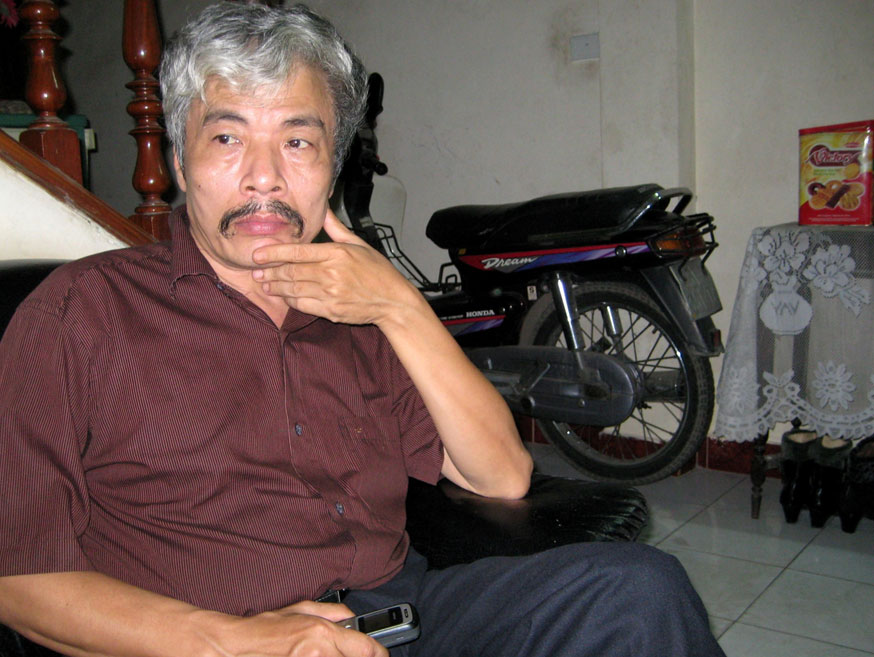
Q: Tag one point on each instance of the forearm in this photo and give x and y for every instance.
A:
(87, 613)
(483, 449)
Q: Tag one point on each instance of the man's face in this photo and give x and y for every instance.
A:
(258, 167)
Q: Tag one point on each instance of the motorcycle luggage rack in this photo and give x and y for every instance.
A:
(392, 250)
(662, 197)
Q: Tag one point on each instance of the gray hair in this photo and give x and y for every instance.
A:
(252, 45)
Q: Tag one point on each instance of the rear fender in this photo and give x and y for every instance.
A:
(696, 333)
(658, 282)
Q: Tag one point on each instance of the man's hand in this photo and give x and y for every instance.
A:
(345, 281)
(305, 628)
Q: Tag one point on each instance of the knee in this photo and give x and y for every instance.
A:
(629, 599)
(654, 572)
(644, 571)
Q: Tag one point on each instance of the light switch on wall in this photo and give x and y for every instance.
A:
(585, 46)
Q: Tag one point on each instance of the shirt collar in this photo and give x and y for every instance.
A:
(187, 260)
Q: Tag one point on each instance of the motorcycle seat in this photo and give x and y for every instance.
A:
(597, 214)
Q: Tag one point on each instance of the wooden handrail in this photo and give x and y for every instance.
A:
(141, 46)
(63, 187)
(48, 136)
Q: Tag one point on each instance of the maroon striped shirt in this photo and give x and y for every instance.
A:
(156, 426)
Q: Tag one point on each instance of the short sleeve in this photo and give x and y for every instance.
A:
(44, 391)
(423, 449)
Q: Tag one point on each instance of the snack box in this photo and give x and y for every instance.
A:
(836, 179)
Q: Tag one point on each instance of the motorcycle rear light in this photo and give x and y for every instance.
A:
(716, 340)
(693, 238)
(682, 242)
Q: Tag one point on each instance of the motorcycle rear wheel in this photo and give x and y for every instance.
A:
(669, 425)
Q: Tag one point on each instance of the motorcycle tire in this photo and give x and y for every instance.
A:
(667, 428)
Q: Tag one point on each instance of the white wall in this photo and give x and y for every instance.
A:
(34, 224)
(764, 70)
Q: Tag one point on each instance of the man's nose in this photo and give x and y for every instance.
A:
(263, 173)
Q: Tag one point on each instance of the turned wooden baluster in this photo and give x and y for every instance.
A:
(142, 53)
(48, 136)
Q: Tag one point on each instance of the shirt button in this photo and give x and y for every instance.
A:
(340, 508)
(298, 429)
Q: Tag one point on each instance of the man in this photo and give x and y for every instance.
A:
(202, 438)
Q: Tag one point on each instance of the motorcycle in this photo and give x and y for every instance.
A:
(589, 311)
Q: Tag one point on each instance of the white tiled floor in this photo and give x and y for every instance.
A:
(772, 589)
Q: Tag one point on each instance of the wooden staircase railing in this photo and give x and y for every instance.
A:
(52, 139)
(141, 45)
(48, 136)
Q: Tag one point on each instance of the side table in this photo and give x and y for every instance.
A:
(800, 345)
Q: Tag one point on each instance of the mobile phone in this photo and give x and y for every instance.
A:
(391, 626)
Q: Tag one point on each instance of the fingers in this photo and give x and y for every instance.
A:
(310, 628)
(325, 638)
(280, 254)
(332, 611)
(344, 281)
(350, 642)
(339, 232)
(285, 272)
(275, 254)
(295, 292)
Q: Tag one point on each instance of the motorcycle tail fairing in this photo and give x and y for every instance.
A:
(578, 387)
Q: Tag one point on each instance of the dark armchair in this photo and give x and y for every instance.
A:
(446, 523)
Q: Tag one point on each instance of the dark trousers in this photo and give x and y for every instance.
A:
(585, 599)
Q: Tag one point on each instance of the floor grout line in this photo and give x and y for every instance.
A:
(670, 498)
(803, 636)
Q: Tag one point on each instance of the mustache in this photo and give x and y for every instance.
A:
(252, 206)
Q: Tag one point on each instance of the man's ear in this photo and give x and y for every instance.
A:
(180, 172)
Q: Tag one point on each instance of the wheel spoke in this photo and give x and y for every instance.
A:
(621, 320)
(654, 430)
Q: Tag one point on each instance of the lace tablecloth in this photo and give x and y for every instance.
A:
(800, 343)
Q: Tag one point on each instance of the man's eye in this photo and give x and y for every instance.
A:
(298, 143)
(225, 139)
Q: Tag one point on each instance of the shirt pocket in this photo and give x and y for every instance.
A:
(375, 472)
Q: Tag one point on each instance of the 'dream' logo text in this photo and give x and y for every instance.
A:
(492, 263)
(822, 156)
